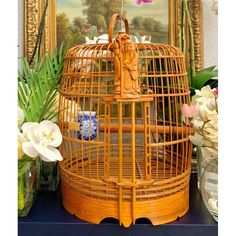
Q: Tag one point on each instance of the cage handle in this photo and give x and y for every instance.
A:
(112, 24)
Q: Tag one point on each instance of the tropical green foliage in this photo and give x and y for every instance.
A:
(38, 86)
(206, 76)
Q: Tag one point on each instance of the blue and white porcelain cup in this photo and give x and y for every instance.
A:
(87, 125)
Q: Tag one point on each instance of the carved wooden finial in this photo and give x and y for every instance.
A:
(126, 66)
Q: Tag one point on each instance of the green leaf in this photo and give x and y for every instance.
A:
(21, 93)
(211, 68)
(49, 104)
(52, 72)
(55, 56)
(40, 92)
(23, 165)
(32, 109)
(26, 69)
(38, 86)
(23, 85)
(52, 115)
(212, 83)
(23, 169)
(202, 77)
(61, 52)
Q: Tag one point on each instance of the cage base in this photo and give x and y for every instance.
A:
(95, 210)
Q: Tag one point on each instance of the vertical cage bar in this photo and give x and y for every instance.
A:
(156, 149)
(107, 141)
(133, 161)
(120, 158)
(147, 148)
(98, 147)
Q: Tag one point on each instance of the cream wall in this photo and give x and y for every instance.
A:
(210, 34)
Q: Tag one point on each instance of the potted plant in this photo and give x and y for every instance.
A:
(38, 109)
(202, 113)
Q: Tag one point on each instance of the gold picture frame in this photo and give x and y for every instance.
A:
(32, 15)
(33, 11)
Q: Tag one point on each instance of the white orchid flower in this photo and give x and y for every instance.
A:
(204, 92)
(207, 91)
(209, 153)
(213, 139)
(205, 113)
(211, 130)
(27, 145)
(21, 139)
(212, 124)
(214, 121)
(42, 139)
(196, 139)
(212, 105)
(205, 122)
(21, 116)
(203, 96)
(197, 123)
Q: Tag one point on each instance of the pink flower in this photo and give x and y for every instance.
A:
(215, 90)
(138, 2)
(211, 105)
(189, 110)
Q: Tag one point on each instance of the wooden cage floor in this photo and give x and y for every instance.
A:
(94, 169)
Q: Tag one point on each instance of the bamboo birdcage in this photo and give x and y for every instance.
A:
(138, 163)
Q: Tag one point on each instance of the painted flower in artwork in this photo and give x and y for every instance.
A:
(138, 2)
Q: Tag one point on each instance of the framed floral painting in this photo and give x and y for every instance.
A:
(159, 21)
(152, 20)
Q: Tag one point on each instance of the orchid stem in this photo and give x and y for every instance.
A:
(21, 197)
(205, 122)
(207, 146)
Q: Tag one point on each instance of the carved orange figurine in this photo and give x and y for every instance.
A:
(127, 64)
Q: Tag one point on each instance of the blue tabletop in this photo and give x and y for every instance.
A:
(48, 217)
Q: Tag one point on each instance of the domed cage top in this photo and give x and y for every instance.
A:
(125, 146)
